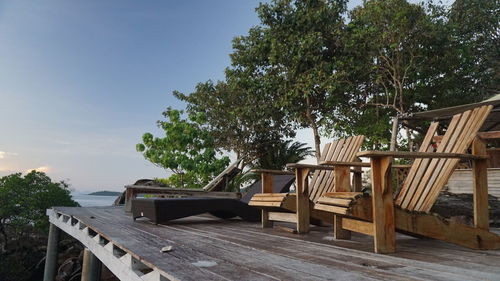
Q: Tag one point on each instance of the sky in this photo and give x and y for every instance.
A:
(81, 81)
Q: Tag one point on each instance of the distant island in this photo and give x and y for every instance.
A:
(106, 193)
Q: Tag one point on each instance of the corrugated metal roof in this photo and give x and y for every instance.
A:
(492, 123)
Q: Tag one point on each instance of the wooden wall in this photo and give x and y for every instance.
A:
(461, 181)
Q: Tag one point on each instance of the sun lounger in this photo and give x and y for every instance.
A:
(161, 210)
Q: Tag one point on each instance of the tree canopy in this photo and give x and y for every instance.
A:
(402, 58)
(187, 150)
(24, 200)
(292, 56)
(314, 64)
(243, 121)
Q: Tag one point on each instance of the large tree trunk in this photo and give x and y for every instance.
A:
(410, 140)
(317, 142)
(314, 127)
(394, 133)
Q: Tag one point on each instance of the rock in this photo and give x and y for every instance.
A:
(166, 249)
(459, 208)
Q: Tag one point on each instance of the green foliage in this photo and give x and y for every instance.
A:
(245, 122)
(187, 149)
(402, 58)
(275, 158)
(280, 154)
(388, 44)
(303, 66)
(291, 57)
(24, 200)
(473, 51)
(23, 222)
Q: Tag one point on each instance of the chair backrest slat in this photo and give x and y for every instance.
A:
(320, 175)
(350, 156)
(431, 172)
(427, 177)
(326, 150)
(464, 142)
(343, 150)
(415, 172)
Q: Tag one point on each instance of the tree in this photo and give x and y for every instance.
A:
(25, 199)
(400, 58)
(187, 150)
(473, 54)
(293, 53)
(23, 222)
(390, 42)
(244, 121)
(281, 154)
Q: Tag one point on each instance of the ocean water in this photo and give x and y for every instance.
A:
(86, 200)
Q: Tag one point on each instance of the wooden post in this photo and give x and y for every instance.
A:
(267, 187)
(129, 194)
(357, 180)
(341, 176)
(480, 181)
(51, 255)
(394, 133)
(383, 206)
(91, 268)
(302, 195)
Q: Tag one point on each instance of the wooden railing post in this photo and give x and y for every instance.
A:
(302, 195)
(341, 176)
(267, 187)
(480, 182)
(383, 206)
(129, 195)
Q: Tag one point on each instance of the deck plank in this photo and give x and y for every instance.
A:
(244, 251)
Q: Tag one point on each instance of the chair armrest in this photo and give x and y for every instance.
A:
(350, 164)
(359, 164)
(274, 172)
(410, 155)
(309, 166)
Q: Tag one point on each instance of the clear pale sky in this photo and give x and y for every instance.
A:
(81, 81)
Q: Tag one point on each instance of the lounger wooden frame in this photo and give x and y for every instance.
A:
(380, 215)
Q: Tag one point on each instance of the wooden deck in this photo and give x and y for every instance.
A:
(212, 249)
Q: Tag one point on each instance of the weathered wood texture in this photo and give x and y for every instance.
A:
(427, 177)
(461, 181)
(324, 179)
(209, 249)
(480, 180)
(384, 230)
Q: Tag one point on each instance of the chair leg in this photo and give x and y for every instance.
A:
(302, 192)
(383, 206)
(341, 184)
(480, 180)
(267, 187)
(338, 231)
(266, 223)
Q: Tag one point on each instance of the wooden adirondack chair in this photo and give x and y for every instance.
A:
(380, 215)
(296, 207)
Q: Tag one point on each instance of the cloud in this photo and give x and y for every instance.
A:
(44, 169)
(4, 154)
